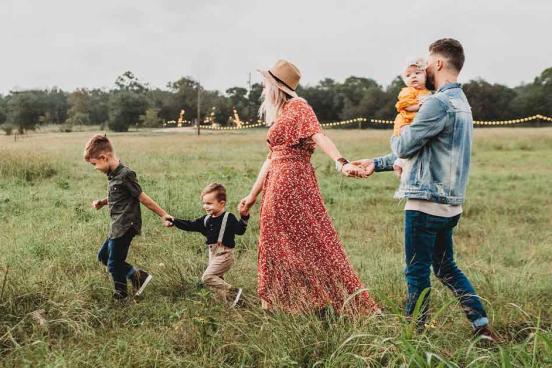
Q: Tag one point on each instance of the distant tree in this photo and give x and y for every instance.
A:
(151, 118)
(363, 97)
(354, 88)
(535, 98)
(25, 110)
(254, 98)
(125, 108)
(355, 97)
(129, 82)
(127, 102)
(79, 110)
(78, 118)
(222, 106)
(237, 97)
(99, 106)
(325, 98)
(166, 103)
(3, 109)
(185, 97)
(55, 105)
(489, 101)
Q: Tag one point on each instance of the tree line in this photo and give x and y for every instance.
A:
(132, 103)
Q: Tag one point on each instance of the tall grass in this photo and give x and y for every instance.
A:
(55, 307)
(27, 167)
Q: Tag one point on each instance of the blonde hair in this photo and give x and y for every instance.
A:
(97, 145)
(273, 100)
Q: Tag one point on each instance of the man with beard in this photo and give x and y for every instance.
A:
(438, 147)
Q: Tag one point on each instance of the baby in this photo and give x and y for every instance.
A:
(410, 99)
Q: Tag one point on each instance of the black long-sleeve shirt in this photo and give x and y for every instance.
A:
(211, 229)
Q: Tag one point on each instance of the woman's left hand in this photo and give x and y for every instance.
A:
(355, 171)
(246, 203)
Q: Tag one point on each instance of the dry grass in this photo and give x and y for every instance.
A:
(49, 236)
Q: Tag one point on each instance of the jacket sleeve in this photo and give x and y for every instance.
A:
(429, 122)
(194, 225)
(385, 163)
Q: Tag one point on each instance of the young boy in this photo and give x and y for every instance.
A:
(219, 228)
(409, 101)
(124, 198)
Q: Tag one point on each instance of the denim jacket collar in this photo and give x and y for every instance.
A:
(449, 86)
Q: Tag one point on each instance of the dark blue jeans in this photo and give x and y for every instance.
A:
(113, 254)
(428, 242)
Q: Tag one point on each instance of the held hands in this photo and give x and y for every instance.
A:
(98, 203)
(167, 220)
(246, 204)
(362, 168)
(353, 171)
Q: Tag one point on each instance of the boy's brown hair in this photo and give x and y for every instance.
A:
(97, 145)
(215, 187)
(451, 49)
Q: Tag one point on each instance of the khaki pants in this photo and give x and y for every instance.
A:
(221, 258)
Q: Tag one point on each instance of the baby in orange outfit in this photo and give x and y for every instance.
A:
(410, 99)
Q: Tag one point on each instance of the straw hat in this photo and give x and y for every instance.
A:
(284, 75)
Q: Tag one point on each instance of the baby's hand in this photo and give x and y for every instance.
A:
(397, 168)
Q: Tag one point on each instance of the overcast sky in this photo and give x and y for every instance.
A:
(76, 43)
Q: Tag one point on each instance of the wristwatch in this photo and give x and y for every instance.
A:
(340, 162)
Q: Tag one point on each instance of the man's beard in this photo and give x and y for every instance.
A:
(430, 81)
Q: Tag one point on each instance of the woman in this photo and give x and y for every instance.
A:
(302, 264)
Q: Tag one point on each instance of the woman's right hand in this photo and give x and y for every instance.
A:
(246, 203)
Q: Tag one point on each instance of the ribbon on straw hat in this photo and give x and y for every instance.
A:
(284, 75)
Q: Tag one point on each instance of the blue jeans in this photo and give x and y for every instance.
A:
(428, 242)
(113, 254)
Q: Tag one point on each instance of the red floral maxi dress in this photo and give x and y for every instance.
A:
(302, 264)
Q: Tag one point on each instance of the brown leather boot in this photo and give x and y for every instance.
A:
(487, 333)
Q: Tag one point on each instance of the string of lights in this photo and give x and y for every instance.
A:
(344, 122)
(487, 122)
(245, 125)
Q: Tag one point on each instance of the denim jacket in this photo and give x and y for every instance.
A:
(438, 147)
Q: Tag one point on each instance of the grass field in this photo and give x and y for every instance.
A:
(49, 236)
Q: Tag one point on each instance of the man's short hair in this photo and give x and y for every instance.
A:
(97, 145)
(451, 49)
(217, 188)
